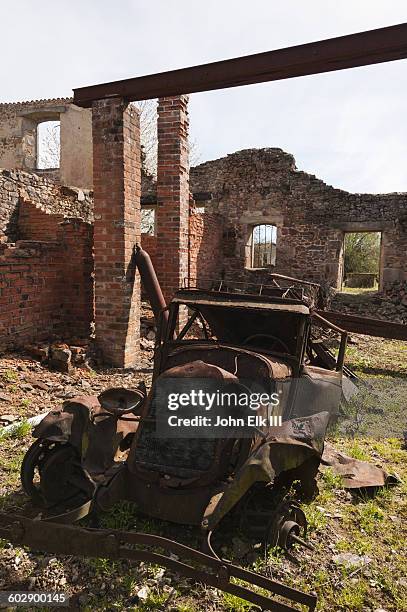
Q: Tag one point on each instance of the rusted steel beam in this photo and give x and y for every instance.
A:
(365, 325)
(361, 49)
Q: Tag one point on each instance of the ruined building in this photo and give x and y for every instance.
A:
(67, 233)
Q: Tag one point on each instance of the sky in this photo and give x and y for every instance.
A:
(348, 128)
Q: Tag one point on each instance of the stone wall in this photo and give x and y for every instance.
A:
(19, 144)
(263, 186)
(17, 186)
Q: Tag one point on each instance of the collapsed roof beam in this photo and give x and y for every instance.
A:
(362, 49)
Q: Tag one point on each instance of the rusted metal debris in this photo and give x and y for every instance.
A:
(361, 49)
(115, 544)
(366, 325)
(355, 474)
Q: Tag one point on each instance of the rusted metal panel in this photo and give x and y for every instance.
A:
(355, 474)
(201, 301)
(361, 49)
(365, 325)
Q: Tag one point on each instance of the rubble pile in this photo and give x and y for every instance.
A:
(397, 293)
(60, 356)
(389, 307)
(80, 352)
(147, 332)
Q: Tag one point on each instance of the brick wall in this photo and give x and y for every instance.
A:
(30, 299)
(149, 243)
(117, 180)
(205, 248)
(172, 193)
(77, 274)
(34, 223)
(263, 186)
(46, 288)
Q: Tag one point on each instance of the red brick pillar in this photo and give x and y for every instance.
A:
(172, 194)
(116, 178)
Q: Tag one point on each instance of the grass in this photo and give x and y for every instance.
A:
(21, 430)
(332, 481)
(360, 290)
(9, 376)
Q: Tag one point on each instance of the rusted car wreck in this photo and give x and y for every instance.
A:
(99, 450)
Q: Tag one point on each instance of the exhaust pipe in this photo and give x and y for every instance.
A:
(151, 284)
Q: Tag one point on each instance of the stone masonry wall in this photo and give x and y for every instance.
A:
(17, 185)
(257, 186)
(19, 143)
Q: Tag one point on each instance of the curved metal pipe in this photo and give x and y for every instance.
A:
(151, 284)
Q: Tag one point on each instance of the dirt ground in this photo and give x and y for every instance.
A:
(358, 562)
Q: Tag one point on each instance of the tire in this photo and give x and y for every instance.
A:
(31, 461)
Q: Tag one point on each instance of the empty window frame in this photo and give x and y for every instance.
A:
(48, 145)
(262, 246)
(148, 220)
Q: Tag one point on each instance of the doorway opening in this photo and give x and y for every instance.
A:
(362, 255)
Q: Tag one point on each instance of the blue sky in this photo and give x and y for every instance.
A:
(348, 128)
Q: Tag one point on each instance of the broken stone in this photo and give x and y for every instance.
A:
(143, 593)
(38, 352)
(160, 574)
(151, 335)
(240, 548)
(37, 384)
(26, 387)
(350, 560)
(60, 357)
(8, 418)
(5, 397)
(146, 344)
(85, 385)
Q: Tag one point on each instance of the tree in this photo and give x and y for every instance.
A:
(149, 138)
(362, 252)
